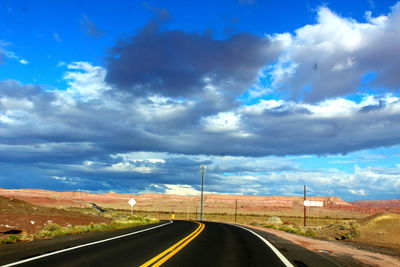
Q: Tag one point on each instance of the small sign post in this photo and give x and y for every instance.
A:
(309, 203)
(132, 203)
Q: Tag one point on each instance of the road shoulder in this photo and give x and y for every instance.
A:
(340, 253)
(23, 250)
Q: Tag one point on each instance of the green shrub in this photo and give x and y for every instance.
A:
(11, 239)
(292, 229)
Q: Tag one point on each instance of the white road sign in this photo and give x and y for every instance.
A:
(132, 202)
(313, 203)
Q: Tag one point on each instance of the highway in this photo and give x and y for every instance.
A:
(172, 243)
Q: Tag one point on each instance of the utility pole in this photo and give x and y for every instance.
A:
(236, 211)
(202, 172)
(305, 208)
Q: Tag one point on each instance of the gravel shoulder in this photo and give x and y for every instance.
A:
(363, 254)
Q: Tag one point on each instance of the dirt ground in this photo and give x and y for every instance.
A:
(224, 204)
(337, 249)
(382, 230)
(19, 216)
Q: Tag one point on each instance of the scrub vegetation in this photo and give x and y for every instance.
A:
(52, 229)
(115, 220)
(292, 229)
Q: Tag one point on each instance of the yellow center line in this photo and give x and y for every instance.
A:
(171, 251)
(148, 263)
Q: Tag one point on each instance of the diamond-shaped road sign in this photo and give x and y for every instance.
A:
(132, 202)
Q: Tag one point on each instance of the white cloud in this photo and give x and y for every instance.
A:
(86, 82)
(151, 157)
(130, 167)
(223, 122)
(67, 180)
(263, 105)
(180, 189)
(360, 192)
(162, 108)
(329, 58)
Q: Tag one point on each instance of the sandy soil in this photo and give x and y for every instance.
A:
(336, 249)
(17, 215)
(260, 205)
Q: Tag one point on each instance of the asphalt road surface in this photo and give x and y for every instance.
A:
(172, 243)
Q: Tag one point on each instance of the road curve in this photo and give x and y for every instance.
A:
(181, 243)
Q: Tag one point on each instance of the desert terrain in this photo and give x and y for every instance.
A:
(371, 224)
(214, 204)
(19, 216)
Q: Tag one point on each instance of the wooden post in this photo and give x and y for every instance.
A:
(305, 208)
(236, 210)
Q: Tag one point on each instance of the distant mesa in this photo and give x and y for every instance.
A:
(214, 203)
(377, 203)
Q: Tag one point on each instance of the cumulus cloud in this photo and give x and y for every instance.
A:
(360, 192)
(88, 113)
(85, 81)
(332, 57)
(167, 101)
(178, 189)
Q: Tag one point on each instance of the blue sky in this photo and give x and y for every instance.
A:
(132, 96)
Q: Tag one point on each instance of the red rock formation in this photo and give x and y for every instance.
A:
(213, 202)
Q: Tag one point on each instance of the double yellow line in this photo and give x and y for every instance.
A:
(171, 251)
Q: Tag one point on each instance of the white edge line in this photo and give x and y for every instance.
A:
(84, 245)
(276, 251)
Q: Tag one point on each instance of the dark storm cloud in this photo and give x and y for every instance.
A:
(90, 28)
(44, 126)
(181, 64)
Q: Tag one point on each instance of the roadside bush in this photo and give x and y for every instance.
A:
(11, 239)
(273, 226)
(348, 229)
(52, 229)
(292, 229)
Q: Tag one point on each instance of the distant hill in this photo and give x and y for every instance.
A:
(377, 203)
(214, 203)
(54, 198)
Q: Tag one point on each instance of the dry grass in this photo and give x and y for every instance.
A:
(243, 218)
(118, 220)
(382, 230)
